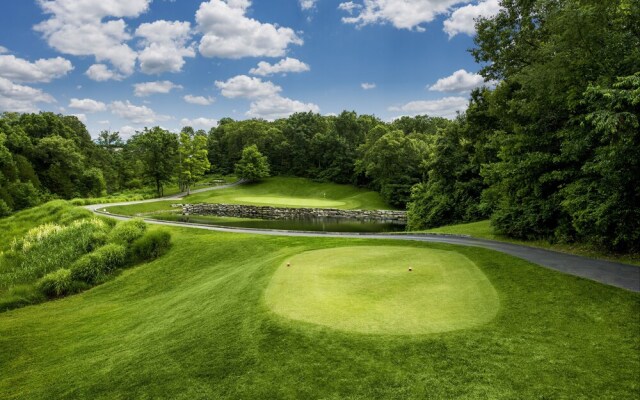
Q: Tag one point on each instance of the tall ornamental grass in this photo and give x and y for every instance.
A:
(49, 247)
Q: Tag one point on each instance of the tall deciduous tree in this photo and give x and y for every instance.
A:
(193, 159)
(253, 166)
(157, 149)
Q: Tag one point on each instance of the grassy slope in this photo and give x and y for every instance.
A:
(194, 325)
(294, 192)
(483, 230)
(19, 223)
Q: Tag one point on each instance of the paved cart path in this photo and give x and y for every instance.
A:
(608, 272)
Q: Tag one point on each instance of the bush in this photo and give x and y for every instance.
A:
(151, 246)
(94, 267)
(4, 208)
(127, 231)
(56, 284)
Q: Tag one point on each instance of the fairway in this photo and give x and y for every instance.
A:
(369, 289)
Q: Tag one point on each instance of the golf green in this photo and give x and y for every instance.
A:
(289, 202)
(369, 289)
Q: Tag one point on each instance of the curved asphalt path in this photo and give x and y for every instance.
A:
(616, 274)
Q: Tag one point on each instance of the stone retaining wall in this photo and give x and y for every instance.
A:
(265, 212)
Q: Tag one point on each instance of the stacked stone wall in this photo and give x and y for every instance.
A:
(266, 212)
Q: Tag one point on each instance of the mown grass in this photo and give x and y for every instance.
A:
(194, 324)
(294, 192)
(484, 230)
(383, 290)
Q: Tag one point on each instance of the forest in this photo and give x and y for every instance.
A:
(549, 149)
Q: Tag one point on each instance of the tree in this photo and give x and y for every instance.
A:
(157, 149)
(253, 166)
(193, 158)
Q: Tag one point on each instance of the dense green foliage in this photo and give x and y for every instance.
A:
(553, 151)
(151, 245)
(253, 166)
(198, 315)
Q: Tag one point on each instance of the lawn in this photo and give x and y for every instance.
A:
(198, 324)
(484, 230)
(383, 290)
(294, 192)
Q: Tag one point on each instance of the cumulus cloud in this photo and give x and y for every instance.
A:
(127, 131)
(148, 88)
(42, 70)
(307, 4)
(199, 123)
(229, 33)
(136, 114)
(77, 27)
(402, 14)
(19, 98)
(278, 107)
(459, 81)
(247, 87)
(349, 6)
(281, 67)
(198, 100)
(81, 117)
(446, 107)
(101, 73)
(166, 46)
(87, 105)
(3, 50)
(462, 20)
(266, 99)
(368, 86)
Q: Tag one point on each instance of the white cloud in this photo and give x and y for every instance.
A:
(136, 114)
(19, 98)
(349, 7)
(307, 4)
(166, 46)
(101, 73)
(81, 117)
(199, 123)
(247, 87)
(281, 67)
(42, 70)
(446, 107)
(462, 19)
(402, 14)
(229, 33)
(3, 50)
(368, 86)
(459, 81)
(127, 131)
(87, 105)
(278, 107)
(76, 27)
(199, 100)
(149, 88)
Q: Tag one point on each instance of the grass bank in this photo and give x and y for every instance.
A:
(195, 324)
(294, 192)
(484, 230)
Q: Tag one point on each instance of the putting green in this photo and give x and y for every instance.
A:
(369, 289)
(289, 201)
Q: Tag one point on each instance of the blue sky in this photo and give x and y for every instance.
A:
(125, 64)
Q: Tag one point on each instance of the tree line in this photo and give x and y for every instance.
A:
(550, 151)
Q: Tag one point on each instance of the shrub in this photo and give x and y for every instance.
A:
(151, 246)
(56, 284)
(4, 208)
(127, 231)
(48, 247)
(94, 267)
